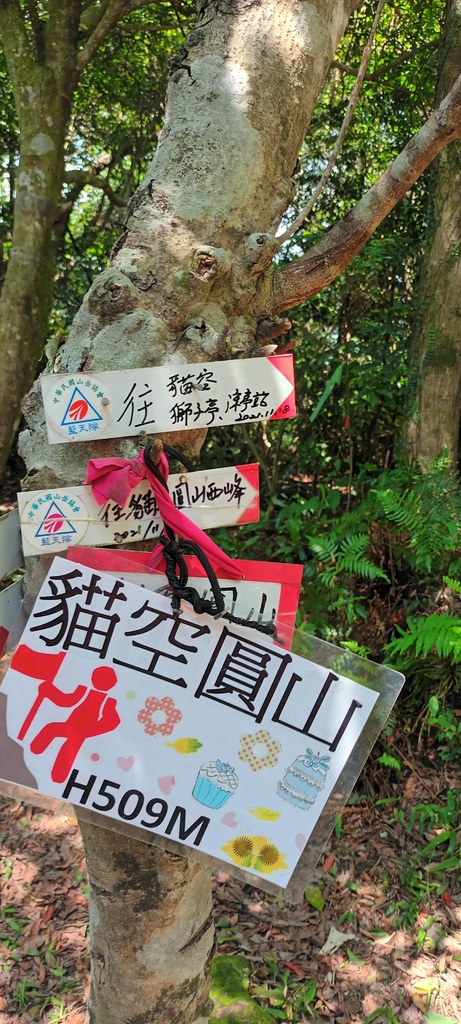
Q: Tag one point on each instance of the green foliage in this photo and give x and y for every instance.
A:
(434, 865)
(345, 555)
(230, 981)
(335, 378)
(441, 633)
(383, 1013)
(289, 1001)
(453, 584)
(356, 648)
(117, 115)
(238, 998)
(389, 761)
(427, 515)
(447, 727)
(427, 817)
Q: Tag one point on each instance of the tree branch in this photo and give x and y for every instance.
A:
(403, 58)
(353, 100)
(82, 178)
(327, 259)
(138, 26)
(37, 30)
(112, 14)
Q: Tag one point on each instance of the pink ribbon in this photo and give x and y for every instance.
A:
(114, 479)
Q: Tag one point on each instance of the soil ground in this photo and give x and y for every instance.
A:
(402, 952)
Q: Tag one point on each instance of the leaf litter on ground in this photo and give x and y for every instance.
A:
(404, 927)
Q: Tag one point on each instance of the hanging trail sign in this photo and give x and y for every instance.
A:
(81, 407)
(178, 724)
(268, 592)
(55, 519)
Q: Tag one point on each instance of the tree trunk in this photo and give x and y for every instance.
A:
(151, 929)
(43, 83)
(27, 291)
(434, 401)
(190, 280)
(183, 286)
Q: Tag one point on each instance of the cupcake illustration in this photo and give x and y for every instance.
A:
(215, 783)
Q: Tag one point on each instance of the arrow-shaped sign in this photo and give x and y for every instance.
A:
(54, 520)
(159, 399)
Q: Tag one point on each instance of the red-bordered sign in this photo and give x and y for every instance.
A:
(269, 589)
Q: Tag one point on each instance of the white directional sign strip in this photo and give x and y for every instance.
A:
(10, 602)
(53, 520)
(10, 543)
(178, 724)
(159, 399)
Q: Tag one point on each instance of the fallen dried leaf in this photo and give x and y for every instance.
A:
(335, 940)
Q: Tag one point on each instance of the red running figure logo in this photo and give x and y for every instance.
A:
(94, 712)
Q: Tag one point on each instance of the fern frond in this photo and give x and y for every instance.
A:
(390, 761)
(328, 576)
(441, 633)
(453, 584)
(323, 547)
(348, 555)
(427, 515)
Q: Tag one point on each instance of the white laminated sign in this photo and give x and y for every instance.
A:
(186, 727)
(82, 407)
(55, 519)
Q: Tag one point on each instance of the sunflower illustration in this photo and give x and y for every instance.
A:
(255, 852)
(268, 856)
(240, 850)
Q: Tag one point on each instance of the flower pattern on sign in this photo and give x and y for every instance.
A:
(255, 852)
(256, 761)
(172, 716)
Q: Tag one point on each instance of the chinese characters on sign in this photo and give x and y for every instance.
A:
(122, 404)
(161, 719)
(268, 592)
(54, 520)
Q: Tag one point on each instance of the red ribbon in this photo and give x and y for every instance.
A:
(114, 479)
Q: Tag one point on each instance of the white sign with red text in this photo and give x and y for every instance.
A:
(55, 519)
(185, 726)
(158, 399)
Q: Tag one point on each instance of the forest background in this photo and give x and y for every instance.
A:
(362, 487)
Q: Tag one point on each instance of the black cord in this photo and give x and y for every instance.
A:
(176, 568)
(177, 576)
(174, 454)
(174, 552)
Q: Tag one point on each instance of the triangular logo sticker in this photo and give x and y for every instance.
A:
(55, 522)
(79, 410)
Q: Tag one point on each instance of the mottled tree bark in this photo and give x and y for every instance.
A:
(43, 75)
(434, 399)
(152, 934)
(46, 49)
(191, 279)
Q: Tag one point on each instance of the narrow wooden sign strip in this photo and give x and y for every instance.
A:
(10, 603)
(53, 520)
(10, 543)
(80, 407)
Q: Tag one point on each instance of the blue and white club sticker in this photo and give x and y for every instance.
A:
(53, 521)
(78, 408)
